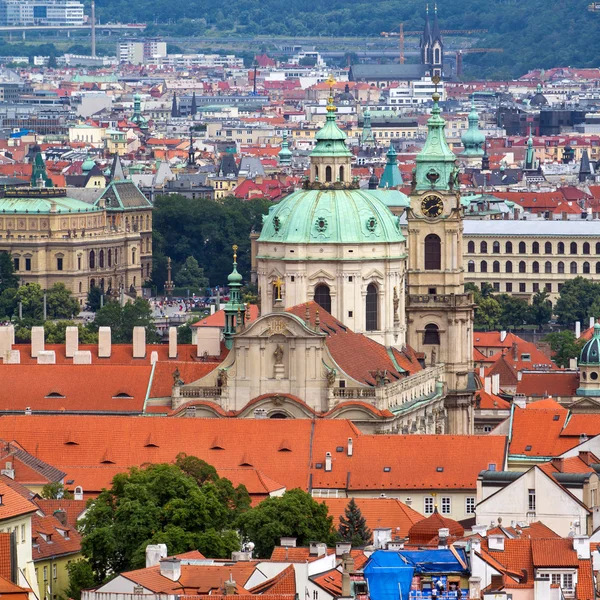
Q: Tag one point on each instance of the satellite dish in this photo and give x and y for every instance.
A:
(250, 546)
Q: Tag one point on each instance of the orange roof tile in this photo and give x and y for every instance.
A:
(425, 530)
(585, 581)
(491, 401)
(556, 552)
(13, 504)
(5, 556)
(60, 539)
(516, 558)
(330, 581)
(73, 508)
(295, 555)
(218, 318)
(283, 583)
(548, 383)
(379, 512)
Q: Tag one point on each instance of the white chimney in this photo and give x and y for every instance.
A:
(154, 554)
(502, 336)
(581, 545)
(153, 357)
(82, 357)
(71, 341)
(480, 529)
(172, 342)
(519, 375)
(475, 544)
(287, 542)
(592, 321)
(46, 357)
(482, 372)
(573, 364)
(577, 329)
(381, 537)
(37, 341)
(328, 461)
(350, 447)
(496, 383)
(12, 357)
(317, 549)
(104, 342)
(7, 339)
(170, 568)
(139, 342)
(496, 542)
(342, 548)
(443, 535)
(487, 385)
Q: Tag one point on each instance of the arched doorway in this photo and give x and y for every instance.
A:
(328, 175)
(323, 297)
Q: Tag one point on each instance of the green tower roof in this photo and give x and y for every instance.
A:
(331, 140)
(436, 162)
(590, 353)
(391, 177)
(473, 139)
(285, 154)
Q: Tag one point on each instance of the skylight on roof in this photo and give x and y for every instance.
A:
(440, 469)
(527, 448)
(387, 469)
(556, 417)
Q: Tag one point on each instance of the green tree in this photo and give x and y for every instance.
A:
(8, 303)
(190, 275)
(565, 346)
(577, 296)
(514, 311)
(60, 303)
(540, 311)
(156, 504)
(295, 514)
(52, 64)
(94, 298)
(8, 279)
(353, 526)
(122, 320)
(31, 297)
(81, 577)
(56, 491)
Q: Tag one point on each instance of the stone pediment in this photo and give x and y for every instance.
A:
(585, 405)
(321, 275)
(278, 324)
(374, 275)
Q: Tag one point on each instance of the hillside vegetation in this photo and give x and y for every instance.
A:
(533, 33)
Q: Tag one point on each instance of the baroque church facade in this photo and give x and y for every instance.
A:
(357, 322)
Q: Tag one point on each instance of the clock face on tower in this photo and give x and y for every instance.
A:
(432, 206)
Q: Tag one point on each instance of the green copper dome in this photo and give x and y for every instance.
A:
(590, 353)
(331, 140)
(350, 216)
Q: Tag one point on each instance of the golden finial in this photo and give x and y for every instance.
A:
(331, 82)
(235, 249)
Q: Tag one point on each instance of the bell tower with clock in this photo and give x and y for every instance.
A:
(439, 312)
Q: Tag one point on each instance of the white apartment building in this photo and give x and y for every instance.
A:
(41, 12)
(415, 92)
(138, 52)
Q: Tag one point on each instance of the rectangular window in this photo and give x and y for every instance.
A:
(446, 506)
(28, 264)
(522, 288)
(496, 286)
(16, 262)
(54, 571)
(536, 288)
(45, 573)
(23, 533)
(470, 505)
(79, 263)
(428, 506)
(509, 286)
(567, 583)
(549, 288)
(531, 503)
(59, 264)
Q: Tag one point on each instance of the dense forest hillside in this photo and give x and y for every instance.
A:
(533, 33)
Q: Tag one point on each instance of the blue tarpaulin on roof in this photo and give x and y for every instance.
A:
(389, 573)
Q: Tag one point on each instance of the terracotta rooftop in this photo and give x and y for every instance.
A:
(422, 532)
(52, 538)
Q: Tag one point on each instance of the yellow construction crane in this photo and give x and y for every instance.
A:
(401, 33)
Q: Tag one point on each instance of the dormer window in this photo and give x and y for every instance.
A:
(54, 395)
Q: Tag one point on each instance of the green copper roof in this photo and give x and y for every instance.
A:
(88, 164)
(436, 162)
(331, 217)
(590, 353)
(391, 176)
(60, 205)
(473, 139)
(285, 154)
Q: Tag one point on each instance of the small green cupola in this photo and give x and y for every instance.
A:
(235, 309)
(285, 154)
(435, 168)
(330, 160)
(137, 117)
(39, 176)
(367, 138)
(391, 177)
(473, 139)
(589, 366)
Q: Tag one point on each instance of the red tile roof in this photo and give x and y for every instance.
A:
(357, 355)
(379, 512)
(557, 552)
(282, 583)
(218, 318)
(330, 581)
(5, 557)
(73, 509)
(13, 504)
(491, 401)
(585, 581)
(295, 555)
(422, 532)
(548, 383)
(60, 540)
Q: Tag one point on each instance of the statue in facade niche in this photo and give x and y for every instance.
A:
(278, 354)
(222, 378)
(331, 375)
(177, 381)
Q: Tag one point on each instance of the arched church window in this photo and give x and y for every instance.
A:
(433, 252)
(471, 266)
(509, 266)
(598, 267)
(483, 266)
(323, 297)
(436, 59)
(92, 259)
(496, 247)
(522, 267)
(371, 315)
(586, 248)
(522, 248)
(535, 267)
(101, 259)
(328, 175)
(341, 173)
(573, 248)
(432, 335)
(548, 267)
(573, 267)
(496, 266)
(548, 247)
(316, 172)
(535, 248)
(561, 267)
(483, 247)
(586, 267)
(508, 248)
(471, 247)
(560, 248)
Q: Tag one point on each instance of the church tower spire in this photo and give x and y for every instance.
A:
(235, 309)
(439, 313)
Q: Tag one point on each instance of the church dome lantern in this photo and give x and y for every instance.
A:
(589, 366)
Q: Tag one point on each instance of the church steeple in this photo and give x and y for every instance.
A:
(435, 168)
(391, 177)
(285, 154)
(473, 139)
(367, 138)
(426, 40)
(331, 160)
(39, 176)
(530, 155)
(235, 309)
(191, 151)
(174, 107)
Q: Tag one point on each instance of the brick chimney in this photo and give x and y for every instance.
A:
(586, 457)
(61, 516)
(559, 463)
(515, 351)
